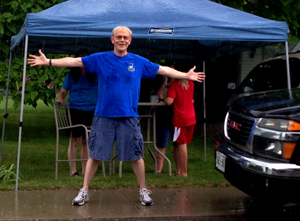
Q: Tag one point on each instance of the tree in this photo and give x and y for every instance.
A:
(12, 17)
(39, 81)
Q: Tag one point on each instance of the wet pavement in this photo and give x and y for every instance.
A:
(122, 203)
(209, 203)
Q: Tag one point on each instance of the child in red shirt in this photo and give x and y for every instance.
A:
(180, 94)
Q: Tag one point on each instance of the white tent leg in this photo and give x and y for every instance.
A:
(204, 114)
(287, 65)
(21, 111)
(6, 100)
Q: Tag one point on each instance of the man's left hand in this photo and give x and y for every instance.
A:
(195, 76)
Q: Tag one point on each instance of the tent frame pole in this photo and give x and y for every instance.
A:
(6, 101)
(204, 114)
(21, 110)
(287, 65)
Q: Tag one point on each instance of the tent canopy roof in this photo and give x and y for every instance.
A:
(176, 28)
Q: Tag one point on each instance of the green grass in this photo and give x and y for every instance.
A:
(37, 158)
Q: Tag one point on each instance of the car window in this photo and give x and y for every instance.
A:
(271, 75)
(295, 72)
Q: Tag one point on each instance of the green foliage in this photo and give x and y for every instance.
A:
(7, 175)
(159, 61)
(37, 81)
(12, 17)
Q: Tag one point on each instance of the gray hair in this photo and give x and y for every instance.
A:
(121, 28)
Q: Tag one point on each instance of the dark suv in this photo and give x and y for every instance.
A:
(260, 151)
(269, 75)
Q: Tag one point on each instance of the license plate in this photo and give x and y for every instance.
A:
(220, 161)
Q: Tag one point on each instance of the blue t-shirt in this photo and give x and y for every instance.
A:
(83, 94)
(119, 81)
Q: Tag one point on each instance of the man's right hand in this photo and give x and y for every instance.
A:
(38, 60)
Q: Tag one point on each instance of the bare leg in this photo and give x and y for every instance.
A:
(84, 154)
(176, 155)
(91, 169)
(183, 154)
(138, 167)
(76, 141)
(160, 159)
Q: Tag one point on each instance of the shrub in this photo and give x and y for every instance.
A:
(7, 175)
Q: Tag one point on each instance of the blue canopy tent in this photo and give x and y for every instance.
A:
(171, 29)
(220, 29)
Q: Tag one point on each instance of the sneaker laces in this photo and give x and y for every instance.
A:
(145, 193)
(81, 195)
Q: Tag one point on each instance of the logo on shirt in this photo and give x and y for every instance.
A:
(131, 67)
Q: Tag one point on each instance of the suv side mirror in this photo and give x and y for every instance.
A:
(231, 86)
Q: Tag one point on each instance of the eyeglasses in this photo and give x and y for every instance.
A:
(119, 37)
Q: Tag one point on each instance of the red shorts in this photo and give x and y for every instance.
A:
(183, 135)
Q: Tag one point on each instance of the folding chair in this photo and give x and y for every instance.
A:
(148, 142)
(112, 163)
(63, 122)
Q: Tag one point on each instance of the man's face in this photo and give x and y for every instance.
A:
(121, 40)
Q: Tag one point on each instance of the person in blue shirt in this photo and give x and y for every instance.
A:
(83, 89)
(116, 116)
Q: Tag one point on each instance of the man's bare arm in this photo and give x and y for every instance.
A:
(34, 60)
(191, 75)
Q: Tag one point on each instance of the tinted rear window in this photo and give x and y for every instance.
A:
(271, 76)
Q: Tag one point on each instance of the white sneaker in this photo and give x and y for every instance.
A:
(145, 198)
(81, 198)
